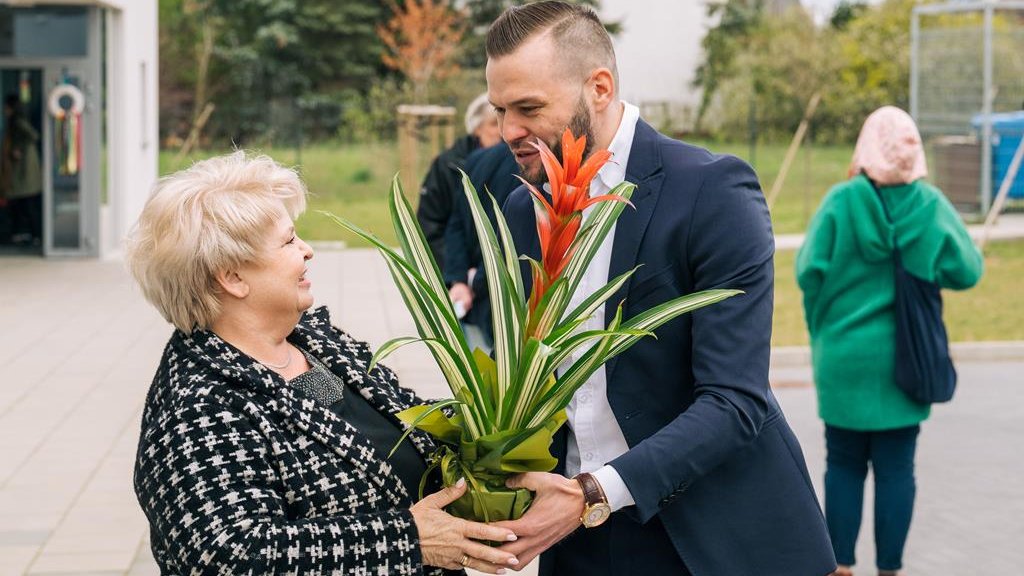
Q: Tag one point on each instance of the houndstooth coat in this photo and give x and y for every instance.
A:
(238, 474)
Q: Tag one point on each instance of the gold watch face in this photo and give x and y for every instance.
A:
(596, 514)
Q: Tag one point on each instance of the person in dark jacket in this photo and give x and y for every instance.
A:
(264, 438)
(492, 170)
(443, 182)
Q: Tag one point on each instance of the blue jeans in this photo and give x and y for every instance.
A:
(891, 454)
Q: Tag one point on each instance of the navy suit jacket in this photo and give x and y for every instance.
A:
(711, 453)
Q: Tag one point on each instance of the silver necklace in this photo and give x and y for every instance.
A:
(280, 366)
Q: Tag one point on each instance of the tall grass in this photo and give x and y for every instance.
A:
(353, 181)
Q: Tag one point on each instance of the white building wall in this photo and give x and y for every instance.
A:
(658, 50)
(132, 115)
(132, 112)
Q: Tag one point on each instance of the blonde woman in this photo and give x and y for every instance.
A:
(263, 436)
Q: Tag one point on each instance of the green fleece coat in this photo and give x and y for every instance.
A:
(845, 271)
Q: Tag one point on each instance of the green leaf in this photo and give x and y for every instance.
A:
(431, 420)
(593, 231)
(614, 344)
(654, 317)
(586, 308)
(505, 293)
(388, 347)
(514, 451)
(568, 346)
(488, 370)
(434, 320)
(414, 243)
(511, 257)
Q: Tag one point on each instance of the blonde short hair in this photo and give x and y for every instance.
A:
(198, 222)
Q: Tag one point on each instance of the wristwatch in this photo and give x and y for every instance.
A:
(595, 504)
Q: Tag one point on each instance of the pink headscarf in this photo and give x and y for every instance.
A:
(889, 148)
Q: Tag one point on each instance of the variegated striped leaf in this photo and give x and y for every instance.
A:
(504, 294)
(617, 342)
(388, 347)
(413, 242)
(569, 321)
(434, 319)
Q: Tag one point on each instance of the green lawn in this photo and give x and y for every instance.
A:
(992, 310)
(813, 172)
(353, 181)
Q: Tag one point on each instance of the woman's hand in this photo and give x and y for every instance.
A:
(449, 542)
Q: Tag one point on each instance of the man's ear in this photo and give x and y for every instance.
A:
(602, 88)
(232, 283)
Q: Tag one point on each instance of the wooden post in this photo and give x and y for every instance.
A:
(419, 127)
(406, 144)
(449, 132)
(435, 137)
(793, 147)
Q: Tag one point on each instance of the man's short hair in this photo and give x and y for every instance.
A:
(579, 35)
(210, 218)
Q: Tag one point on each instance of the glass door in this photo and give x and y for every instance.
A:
(68, 170)
(51, 62)
(21, 169)
(72, 161)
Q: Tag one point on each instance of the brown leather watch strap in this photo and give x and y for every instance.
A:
(592, 491)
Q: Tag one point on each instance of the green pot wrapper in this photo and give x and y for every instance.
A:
(485, 463)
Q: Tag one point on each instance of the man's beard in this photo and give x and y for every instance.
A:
(580, 125)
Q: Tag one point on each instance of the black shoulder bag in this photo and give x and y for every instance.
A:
(924, 369)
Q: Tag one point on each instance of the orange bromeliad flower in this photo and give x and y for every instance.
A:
(558, 221)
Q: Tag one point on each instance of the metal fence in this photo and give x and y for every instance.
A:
(967, 95)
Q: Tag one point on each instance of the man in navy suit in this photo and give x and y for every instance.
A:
(680, 438)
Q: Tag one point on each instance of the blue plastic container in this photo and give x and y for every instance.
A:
(1007, 131)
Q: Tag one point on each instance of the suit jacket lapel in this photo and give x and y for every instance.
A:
(644, 169)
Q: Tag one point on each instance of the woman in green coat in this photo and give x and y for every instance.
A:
(845, 271)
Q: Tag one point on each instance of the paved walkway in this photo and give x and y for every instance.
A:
(78, 346)
(1007, 227)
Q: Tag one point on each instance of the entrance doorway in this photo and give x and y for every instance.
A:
(21, 167)
(51, 85)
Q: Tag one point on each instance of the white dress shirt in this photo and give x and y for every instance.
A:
(595, 437)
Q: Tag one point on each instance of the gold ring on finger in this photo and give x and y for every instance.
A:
(465, 560)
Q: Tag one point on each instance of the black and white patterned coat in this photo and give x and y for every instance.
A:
(238, 474)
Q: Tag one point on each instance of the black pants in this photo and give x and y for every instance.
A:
(891, 455)
(27, 216)
(619, 547)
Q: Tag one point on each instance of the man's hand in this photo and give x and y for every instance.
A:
(460, 292)
(553, 515)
